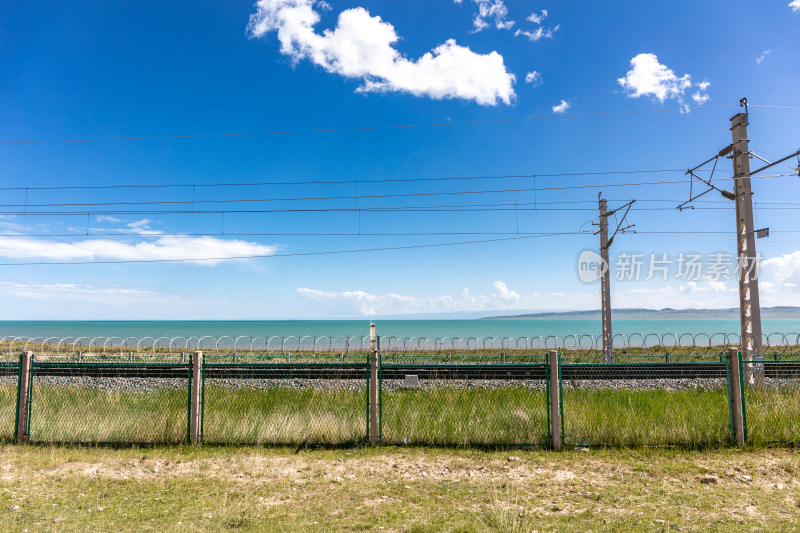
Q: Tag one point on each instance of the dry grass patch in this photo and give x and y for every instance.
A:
(396, 489)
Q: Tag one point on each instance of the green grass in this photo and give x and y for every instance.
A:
(8, 410)
(440, 416)
(185, 489)
(773, 414)
(85, 414)
(646, 417)
(284, 416)
(446, 416)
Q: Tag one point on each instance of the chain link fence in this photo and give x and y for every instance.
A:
(464, 404)
(9, 374)
(485, 397)
(109, 403)
(646, 404)
(289, 403)
(772, 400)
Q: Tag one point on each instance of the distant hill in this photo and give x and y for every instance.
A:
(661, 314)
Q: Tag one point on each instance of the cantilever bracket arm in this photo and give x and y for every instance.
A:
(629, 204)
(692, 199)
(781, 160)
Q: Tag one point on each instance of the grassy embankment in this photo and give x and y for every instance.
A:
(185, 489)
(443, 416)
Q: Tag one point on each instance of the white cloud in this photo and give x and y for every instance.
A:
(795, 5)
(539, 33)
(360, 302)
(505, 294)
(71, 291)
(765, 53)
(562, 107)
(701, 96)
(361, 47)
(785, 269)
(537, 19)
(13, 228)
(71, 301)
(138, 227)
(490, 9)
(648, 77)
(534, 78)
(700, 295)
(706, 293)
(161, 248)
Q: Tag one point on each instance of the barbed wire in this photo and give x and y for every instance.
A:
(66, 345)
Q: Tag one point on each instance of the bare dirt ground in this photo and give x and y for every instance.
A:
(397, 489)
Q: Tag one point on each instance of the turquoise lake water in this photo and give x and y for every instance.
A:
(385, 328)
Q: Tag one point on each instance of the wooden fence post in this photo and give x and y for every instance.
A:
(196, 394)
(373, 387)
(555, 401)
(24, 397)
(735, 385)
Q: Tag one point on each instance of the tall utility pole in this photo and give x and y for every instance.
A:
(749, 307)
(605, 280)
(605, 286)
(747, 260)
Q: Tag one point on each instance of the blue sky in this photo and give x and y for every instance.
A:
(91, 70)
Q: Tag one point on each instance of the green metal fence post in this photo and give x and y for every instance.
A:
(730, 398)
(373, 392)
(30, 398)
(202, 400)
(736, 395)
(23, 416)
(741, 391)
(189, 404)
(196, 397)
(555, 402)
(548, 407)
(561, 397)
(19, 395)
(367, 401)
(380, 392)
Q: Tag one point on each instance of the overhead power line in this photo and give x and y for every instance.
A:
(365, 196)
(774, 107)
(295, 254)
(340, 210)
(356, 128)
(363, 181)
(350, 251)
(687, 236)
(339, 234)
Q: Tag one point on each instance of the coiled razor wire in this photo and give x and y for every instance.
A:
(88, 346)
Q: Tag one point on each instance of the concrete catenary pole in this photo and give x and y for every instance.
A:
(749, 305)
(605, 286)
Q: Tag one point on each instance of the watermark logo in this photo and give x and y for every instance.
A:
(591, 266)
(715, 267)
